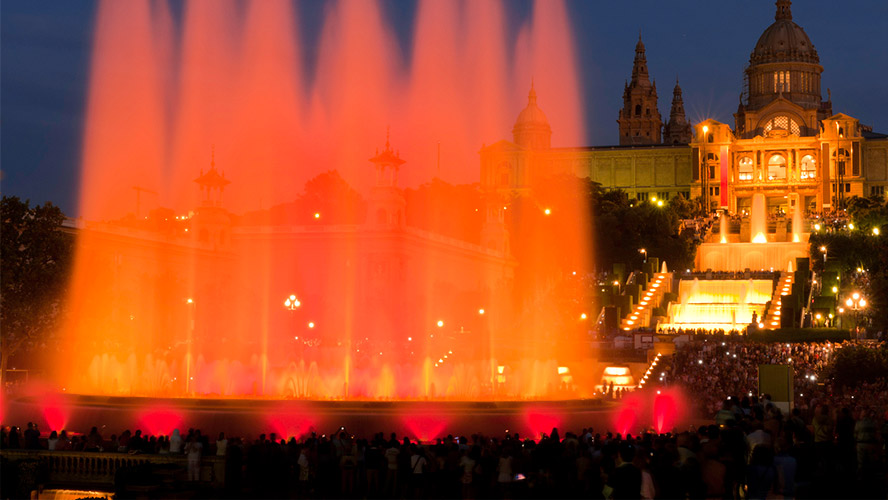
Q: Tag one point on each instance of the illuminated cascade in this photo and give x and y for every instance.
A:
(718, 304)
(620, 376)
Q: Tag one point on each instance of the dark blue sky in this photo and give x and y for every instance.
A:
(45, 50)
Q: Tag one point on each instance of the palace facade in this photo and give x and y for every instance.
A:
(786, 142)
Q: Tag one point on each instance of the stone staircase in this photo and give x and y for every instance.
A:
(648, 299)
(784, 287)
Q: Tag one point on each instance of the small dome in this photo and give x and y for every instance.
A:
(532, 115)
(784, 41)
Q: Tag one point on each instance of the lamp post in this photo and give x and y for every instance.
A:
(645, 252)
(292, 303)
(704, 172)
(856, 302)
(188, 353)
(823, 249)
(840, 170)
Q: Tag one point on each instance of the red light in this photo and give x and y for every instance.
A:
(539, 423)
(425, 427)
(160, 422)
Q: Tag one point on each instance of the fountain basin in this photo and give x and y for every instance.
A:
(423, 420)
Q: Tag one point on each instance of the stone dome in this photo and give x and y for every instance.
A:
(784, 41)
(532, 128)
(532, 114)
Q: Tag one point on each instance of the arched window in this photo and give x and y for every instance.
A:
(776, 168)
(809, 167)
(781, 81)
(744, 170)
(647, 111)
(638, 110)
(709, 138)
(783, 123)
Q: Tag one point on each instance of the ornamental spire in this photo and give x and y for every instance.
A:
(784, 10)
(639, 66)
(532, 95)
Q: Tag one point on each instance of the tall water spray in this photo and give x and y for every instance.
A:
(758, 223)
(797, 224)
(180, 292)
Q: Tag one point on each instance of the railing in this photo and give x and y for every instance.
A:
(815, 284)
(98, 469)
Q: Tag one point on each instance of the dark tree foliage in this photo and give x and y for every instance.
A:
(327, 199)
(622, 227)
(861, 248)
(36, 263)
(855, 364)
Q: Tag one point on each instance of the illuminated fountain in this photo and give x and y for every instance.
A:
(797, 224)
(758, 219)
(718, 304)
(755, 249)
(190, 301)
(723, 222)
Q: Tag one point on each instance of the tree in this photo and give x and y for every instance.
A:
(36, 260)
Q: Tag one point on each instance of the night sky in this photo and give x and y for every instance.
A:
(45, 53)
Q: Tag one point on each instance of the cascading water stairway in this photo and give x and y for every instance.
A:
(718, 304)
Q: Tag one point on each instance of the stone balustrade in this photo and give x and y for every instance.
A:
(77, 468)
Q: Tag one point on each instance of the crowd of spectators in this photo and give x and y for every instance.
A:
(747, 452)
(710, 368)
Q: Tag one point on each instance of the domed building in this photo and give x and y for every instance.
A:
(786, 144)
(532, 128)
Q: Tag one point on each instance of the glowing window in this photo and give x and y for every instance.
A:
(809, 167)
(745, 169)
(776, 168)
(781, 81)
(783, 123)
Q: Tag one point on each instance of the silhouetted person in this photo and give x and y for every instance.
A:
(626, 477)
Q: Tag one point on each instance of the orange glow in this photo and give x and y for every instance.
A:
(222, 88)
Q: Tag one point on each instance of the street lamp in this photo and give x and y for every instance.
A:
(645, 252)
(823, 249)
(292, 303)
(856, 302)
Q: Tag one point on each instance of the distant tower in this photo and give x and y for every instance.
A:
(532, 128)
(677, 129)
(386, 206)
(211, 224)
(639, 120)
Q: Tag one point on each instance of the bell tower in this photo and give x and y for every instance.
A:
(386, 207)
(211, 223)
(677, 129)
(639, 119)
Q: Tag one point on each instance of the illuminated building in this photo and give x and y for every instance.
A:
(786, 143)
